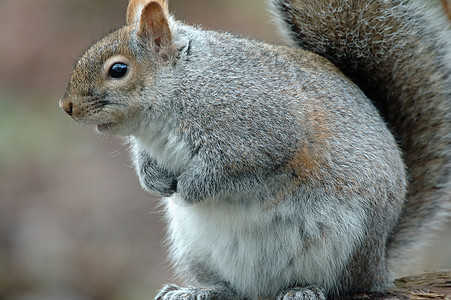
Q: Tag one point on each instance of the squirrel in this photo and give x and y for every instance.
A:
(301, 171)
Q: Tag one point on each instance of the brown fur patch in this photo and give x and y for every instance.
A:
(306, 163)
(310, 160)
(446, 6)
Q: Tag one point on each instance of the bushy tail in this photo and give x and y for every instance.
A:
(399, 53)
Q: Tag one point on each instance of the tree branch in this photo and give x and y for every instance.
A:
(429, 285)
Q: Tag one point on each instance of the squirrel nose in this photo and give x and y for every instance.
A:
(66, 105)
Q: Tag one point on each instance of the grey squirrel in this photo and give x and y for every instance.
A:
(305, 171)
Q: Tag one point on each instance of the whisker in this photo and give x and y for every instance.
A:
(115, 153)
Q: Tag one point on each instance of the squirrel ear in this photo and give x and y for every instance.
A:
(154, 28)
(135, 8)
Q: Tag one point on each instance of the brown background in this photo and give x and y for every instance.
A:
(74, 222)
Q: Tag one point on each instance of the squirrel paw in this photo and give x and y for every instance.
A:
(298, 293)
(174, 292)
(164, 186)
(154, 178)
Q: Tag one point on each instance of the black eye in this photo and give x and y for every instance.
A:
(118, 70)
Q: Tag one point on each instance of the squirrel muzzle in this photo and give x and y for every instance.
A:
(66, 105)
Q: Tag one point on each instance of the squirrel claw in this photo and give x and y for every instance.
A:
(299, 293)
(174, 292)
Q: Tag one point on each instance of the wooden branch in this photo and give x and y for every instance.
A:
(429, 285)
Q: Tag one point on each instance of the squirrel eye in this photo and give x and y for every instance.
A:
(118, 70)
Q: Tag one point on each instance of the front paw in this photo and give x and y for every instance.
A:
(299, 293)
(155, 180)
(174, 292)
(153, 177)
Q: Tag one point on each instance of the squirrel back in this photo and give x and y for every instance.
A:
(399, 54)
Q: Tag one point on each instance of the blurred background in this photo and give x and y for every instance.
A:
(74, 222)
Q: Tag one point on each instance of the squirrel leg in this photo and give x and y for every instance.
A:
(299, 293)
(154, 178)
(174, 292)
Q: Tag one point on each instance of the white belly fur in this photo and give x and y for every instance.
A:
(258, 256)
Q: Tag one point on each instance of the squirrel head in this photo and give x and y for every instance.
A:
(110, 84)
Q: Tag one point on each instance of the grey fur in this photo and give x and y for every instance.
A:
(405, 68)
(290, 180)
(237, 116)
